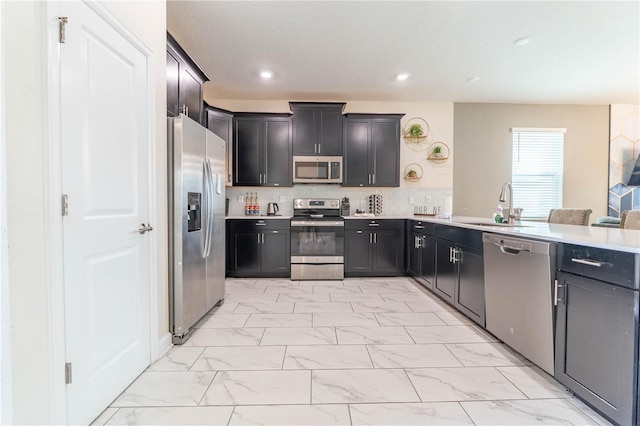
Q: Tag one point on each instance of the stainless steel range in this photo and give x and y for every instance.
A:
(317, 239)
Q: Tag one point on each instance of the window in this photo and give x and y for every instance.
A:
(537, 170)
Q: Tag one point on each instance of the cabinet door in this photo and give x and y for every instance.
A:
(330, 123)
(277, 148)
(469, 295)
(388, 252)
(305, 131)
(428, 261)
(247, 153)
(173, 85)
(356, 153)
(446, 271)
(414, 255)
(276, 255)
(191, 93)
(222, 125)
(596, 344)
(385, 137)
(357, 252)
(246, 246)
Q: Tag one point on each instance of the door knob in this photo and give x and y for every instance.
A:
(144, 228)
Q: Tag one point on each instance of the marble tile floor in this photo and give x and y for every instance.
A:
(378, 351)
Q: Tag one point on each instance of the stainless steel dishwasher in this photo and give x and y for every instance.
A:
(519, 277)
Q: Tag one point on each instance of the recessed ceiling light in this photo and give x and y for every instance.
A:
(266, 74)
(473, 79)
(522, 41)
(402, 77)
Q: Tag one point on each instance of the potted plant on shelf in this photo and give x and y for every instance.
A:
(412, 174)
(437, 152)
(415, 131)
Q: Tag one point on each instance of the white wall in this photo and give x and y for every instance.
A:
(482, 162)
(29, 217)
(5, 341)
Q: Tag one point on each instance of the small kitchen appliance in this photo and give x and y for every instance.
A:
(272, 209)
(317, 239)
(312, 169)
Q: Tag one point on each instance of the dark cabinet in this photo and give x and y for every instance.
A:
(460, 270)
(372, 150)
(262, 150)
(374, 247)
(421, 252)
(258, 248)
(597, 329)
(185, 83)
(317, 128)
(220, 122)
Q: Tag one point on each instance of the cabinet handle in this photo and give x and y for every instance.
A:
(424, 242)
(374, 224)
(261, 224)
(416, 242)
(369, 181)
(263, 238)
(450, 254)
(373, 178)
(358, 232)
(260, 177)
(258, 235)
(371, 238)
(418, 227)
(588, 262)
(375, 238)
(555, 293)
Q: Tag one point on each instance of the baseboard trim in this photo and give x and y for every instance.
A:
(164, 344)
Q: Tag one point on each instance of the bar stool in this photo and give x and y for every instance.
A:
(570, 216)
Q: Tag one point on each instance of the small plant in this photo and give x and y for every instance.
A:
(415, 131)
(412, 174)
(437, 150)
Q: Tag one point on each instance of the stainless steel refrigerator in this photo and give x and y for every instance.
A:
(196, 223)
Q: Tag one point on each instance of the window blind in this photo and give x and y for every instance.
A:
(537, 170)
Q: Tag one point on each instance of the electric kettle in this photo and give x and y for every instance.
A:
(272, 209)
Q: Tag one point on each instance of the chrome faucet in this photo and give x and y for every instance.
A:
(503, 198)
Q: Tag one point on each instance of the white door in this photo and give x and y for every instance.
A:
(105, 151)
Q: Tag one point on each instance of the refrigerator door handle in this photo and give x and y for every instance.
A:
(205, 171)
(210, 207)
(209, 192)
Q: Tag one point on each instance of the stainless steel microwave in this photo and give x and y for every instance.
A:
(311, 169)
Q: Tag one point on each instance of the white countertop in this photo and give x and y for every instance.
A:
(627, 240)
(258, 217)
(609, 238)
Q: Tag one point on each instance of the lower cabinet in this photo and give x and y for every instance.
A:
(597, 329)
(460, 270)
(258, 248)
(421, 252)
(374, 247)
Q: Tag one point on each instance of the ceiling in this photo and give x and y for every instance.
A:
(579, 52)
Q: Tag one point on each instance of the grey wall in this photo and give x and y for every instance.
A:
(482, 158)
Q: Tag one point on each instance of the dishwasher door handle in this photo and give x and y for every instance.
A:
(509, 250)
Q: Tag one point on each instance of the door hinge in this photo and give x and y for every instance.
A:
(63, 26)
(65, 205)
(67, 373)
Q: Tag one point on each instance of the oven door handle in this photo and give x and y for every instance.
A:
(318, 223)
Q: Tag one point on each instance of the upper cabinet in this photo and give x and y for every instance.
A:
(317, 128)
(220, 122)
(372, 150)
(185, 83)
(262, 151)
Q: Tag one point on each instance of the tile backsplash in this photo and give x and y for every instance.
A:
(396, 201)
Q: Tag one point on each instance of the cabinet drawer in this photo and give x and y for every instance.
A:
(374, 224)
(465, 237)
(425, 228)
(611, 266)
(258, 224)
